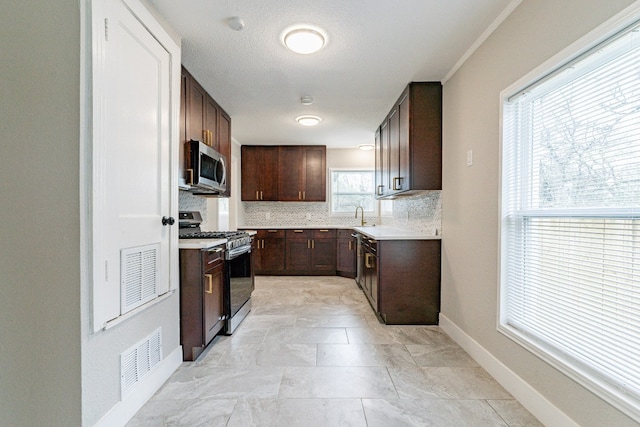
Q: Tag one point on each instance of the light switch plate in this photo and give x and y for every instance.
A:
(469, 157)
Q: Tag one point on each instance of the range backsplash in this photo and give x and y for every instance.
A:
(420, 212)
(189, 202)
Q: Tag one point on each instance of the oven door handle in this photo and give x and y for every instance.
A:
(238, 251)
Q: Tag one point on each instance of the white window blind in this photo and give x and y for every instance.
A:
(570, 226)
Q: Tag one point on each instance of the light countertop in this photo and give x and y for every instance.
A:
(296, 227)
(377, 232)
(200, 243)
(204, 243)
(385, 232)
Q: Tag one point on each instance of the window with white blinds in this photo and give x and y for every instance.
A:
(570, 224)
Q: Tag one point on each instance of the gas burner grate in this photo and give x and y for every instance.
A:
(230, 235)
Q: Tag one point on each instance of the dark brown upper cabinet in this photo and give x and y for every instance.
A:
(259, 169)
(290, 173)
(409, 142)
(202, 119)
(302, 173)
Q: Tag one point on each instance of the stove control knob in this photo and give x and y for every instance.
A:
(168, 220)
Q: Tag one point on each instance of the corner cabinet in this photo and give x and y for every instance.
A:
(408, 143)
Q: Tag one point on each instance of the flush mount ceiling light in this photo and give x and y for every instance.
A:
(365, 147)
(308, 120)
(304, 39)
(306, 100)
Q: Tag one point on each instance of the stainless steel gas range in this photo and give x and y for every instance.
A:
(238, 280)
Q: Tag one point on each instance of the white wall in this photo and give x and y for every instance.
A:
(40, 342)
(350, 158)
(534, 32)
(101, 351)
(53, 372)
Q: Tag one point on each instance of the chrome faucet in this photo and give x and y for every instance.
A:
(362, 222)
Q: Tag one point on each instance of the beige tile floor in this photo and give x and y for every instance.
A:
(312, 353)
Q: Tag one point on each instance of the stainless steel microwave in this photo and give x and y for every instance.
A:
(207, 170)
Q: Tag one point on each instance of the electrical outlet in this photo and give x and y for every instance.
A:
(308, 216)
(267, 215)
(469, 157)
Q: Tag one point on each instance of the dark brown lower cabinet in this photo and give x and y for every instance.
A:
(401, 278)
(269, 252)
(201, 303)
(408, 273)
(346, 247)
(311, 252)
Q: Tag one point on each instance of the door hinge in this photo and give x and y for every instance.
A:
(106, 29)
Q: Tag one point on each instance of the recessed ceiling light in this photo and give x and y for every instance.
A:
(308, 120)
(304, 39)
(366, 147)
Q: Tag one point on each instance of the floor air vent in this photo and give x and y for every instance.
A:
(139, 360)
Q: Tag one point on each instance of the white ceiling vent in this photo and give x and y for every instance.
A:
(138, 276)
(139, 360)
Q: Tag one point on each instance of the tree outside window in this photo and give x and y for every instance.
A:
(351, 189)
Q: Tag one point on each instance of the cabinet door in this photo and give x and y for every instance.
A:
(371, 279)
(346, 256)
(404, 149)
(314, 179)
(196, 100)
(270, 255)
(269, 187)
(298, 254)
(259, 169)
(212, 302)
(378, 163)
(290, 160)
(384, 159)
(251, 170)
(210, 129)
(395, 180)
(323, 255)
(182, 151)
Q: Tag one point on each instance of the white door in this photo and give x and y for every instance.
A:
(133, 189)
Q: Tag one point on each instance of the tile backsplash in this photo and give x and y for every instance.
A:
(189, 202)
(420, 212)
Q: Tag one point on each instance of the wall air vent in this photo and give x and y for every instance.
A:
(139, 360)
(138, 276)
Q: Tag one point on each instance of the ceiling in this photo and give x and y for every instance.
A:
(374, 48)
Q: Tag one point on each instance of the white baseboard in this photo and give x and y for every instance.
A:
(537, 404)
(140, 393)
